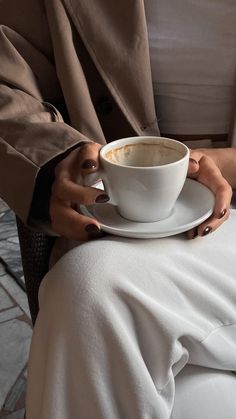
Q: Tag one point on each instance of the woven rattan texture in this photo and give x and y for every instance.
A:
(35, 251)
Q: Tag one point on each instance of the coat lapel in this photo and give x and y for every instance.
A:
(115, 35)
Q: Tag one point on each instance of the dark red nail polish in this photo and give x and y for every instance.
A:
(193, 160)
(195, 233)
(89, 164)
(101, 199)
(207, 230)
(222, 214)
(93, 231)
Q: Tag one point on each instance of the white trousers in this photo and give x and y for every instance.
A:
(119, 320)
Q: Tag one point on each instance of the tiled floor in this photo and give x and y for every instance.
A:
(15, 323)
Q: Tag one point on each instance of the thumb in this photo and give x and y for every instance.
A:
(193, 167)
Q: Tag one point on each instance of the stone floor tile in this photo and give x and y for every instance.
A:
(9, 216)
(15, 341)
(5, 300)
(8, 250)
(10, 253)
(2, 269)
(14, 240)
(16, 292)
(3, 206)
(9, 314)
(7, 230)
(15, 268)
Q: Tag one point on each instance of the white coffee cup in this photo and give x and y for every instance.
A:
(143, 176)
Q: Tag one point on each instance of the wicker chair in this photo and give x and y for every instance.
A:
(35, 252)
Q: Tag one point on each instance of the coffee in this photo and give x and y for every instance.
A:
(143, 176)
(144, 155)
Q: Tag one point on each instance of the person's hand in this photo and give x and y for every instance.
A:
(68, 193)
(205, 170)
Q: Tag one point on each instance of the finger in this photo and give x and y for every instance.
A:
(191, 234)
(193, 167)
(67, 190)
(66, 167)
(212, 224)
(210, 176)
(223, 195)
(71, 224)
(71, 166)
(194, 163)
(89, 158)
(221, 189)
(221, 210)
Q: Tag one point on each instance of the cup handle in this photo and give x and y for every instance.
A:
(92, 178)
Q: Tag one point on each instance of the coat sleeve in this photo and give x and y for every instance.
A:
(33, 135)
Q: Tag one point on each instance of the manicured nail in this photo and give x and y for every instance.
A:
(207, 230)
(222, 214)
(93, 231)
(193, 160)
(89, 164)
(102, 198)
(195, 233)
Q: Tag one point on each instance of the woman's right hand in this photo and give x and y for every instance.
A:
(68, 193)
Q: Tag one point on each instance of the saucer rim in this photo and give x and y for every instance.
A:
(124, 232)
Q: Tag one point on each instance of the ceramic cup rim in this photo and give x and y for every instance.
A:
(133, 140)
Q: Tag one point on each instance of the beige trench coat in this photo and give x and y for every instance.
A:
(70, 71)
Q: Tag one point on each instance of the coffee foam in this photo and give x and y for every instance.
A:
(143, 155)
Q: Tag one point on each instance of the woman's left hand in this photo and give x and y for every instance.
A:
(206, 171)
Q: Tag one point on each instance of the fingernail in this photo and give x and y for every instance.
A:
(207, 230)
(89, 164)
(222, 214)
(195, 233)
(102, 198)
(193, 160)
(93, 231)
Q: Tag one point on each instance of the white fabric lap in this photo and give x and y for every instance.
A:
(204, 393)
(119, 318)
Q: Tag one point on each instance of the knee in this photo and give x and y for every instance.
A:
(83, 280)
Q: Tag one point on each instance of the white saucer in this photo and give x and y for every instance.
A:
(194, 205)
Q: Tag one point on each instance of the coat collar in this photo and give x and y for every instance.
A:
(115, 35)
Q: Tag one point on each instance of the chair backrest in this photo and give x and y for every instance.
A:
(35, 252)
